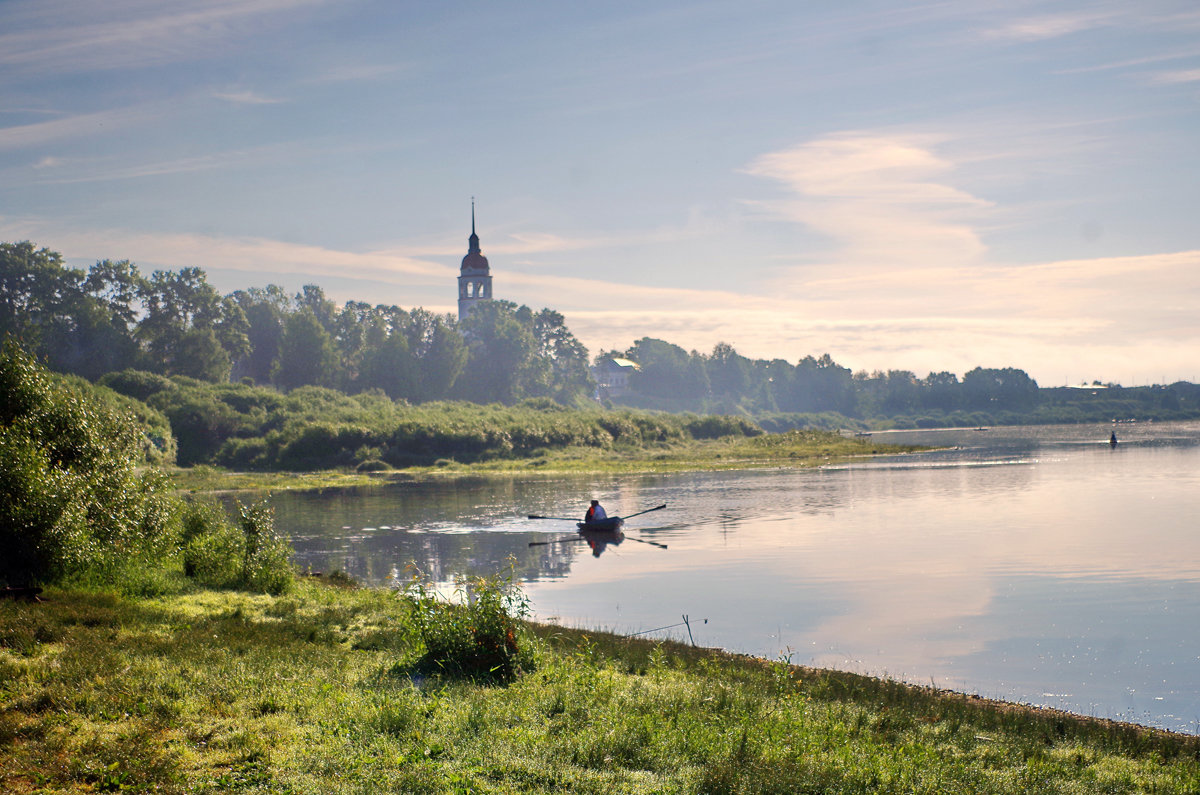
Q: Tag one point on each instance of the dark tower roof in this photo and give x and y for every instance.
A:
(474, 261)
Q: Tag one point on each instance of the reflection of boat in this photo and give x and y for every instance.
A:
(600, 537)
(602, 525)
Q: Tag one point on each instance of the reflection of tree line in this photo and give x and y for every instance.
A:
(382, 557)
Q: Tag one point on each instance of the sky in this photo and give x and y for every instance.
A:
(921, 186)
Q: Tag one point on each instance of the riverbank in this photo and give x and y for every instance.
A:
(789, 449)
(315, 691)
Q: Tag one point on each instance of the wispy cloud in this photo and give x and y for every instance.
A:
(249, 254)
(880, 198)
(246, 98)
(354, 73)
(66, 37)
(1182, 76)
(78, 125)
(1051, 26)
(55, 170)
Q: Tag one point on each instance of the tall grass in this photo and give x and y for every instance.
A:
(318, 690)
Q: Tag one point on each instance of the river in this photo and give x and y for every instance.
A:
(1036, 564)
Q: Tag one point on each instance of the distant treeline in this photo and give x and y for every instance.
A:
(113, 319)
(818, 392)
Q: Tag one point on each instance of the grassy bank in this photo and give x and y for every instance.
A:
(321, 690)
(791, 449)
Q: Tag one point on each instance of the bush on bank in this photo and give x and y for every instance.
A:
(73, 501)
(246, 427)
(78, 503)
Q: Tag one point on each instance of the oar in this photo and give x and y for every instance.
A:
(644, 541)
(639, 513)
(556, 518)
(555, 541)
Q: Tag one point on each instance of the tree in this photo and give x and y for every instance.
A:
(566, 358)
(821, 384)
(181, 308)
(389, 365)
(440, 354)
(900, 393)
(728, 373)
(265, 309)
(306, 354)
(501, 353)
(666, 370)
(941, 391)
(1006, 389)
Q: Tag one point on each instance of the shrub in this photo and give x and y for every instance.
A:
(249, 556)
(265, 567)
(714, 426)
(476, 637)
(72, 501)
(137, 384)
(213, 549)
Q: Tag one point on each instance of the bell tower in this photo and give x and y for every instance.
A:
(475, 279)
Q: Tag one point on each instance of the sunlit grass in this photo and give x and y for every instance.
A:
(317, 691)
(791, 449)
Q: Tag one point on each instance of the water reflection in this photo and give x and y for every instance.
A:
(1036, 564)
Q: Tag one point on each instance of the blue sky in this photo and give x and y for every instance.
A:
(923, 186)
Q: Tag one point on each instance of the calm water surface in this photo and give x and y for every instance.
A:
(1030, 564)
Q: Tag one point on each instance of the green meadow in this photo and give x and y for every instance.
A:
(333, 689)
(174, 649)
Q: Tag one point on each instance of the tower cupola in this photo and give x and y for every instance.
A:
(475, 278)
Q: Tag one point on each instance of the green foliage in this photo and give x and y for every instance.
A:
(306, 354)
(302, 693)
(476, 637)
(73, 502)
(247, 556)
(715, 426)
(137, 384)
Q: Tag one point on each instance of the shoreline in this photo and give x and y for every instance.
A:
(918, 691)
(316, 690)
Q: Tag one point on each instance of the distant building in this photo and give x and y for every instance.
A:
(612, 376)
(475, 279)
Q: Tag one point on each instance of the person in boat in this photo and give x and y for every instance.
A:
(595, 513)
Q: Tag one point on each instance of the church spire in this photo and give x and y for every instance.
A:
(475, 279)
(473, 241)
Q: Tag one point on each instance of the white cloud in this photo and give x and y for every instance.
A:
(1181, 76)
(67, 37)
(1051, 26)
(79, 125)
(880, 198)
(245, 98)
(248, 254)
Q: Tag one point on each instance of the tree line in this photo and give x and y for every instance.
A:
(112, 318)
(174, 323)
(819, 392)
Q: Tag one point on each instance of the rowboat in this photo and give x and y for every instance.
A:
(599, 534)
(609, 524)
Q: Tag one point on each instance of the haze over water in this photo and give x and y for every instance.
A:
(1030, 564)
